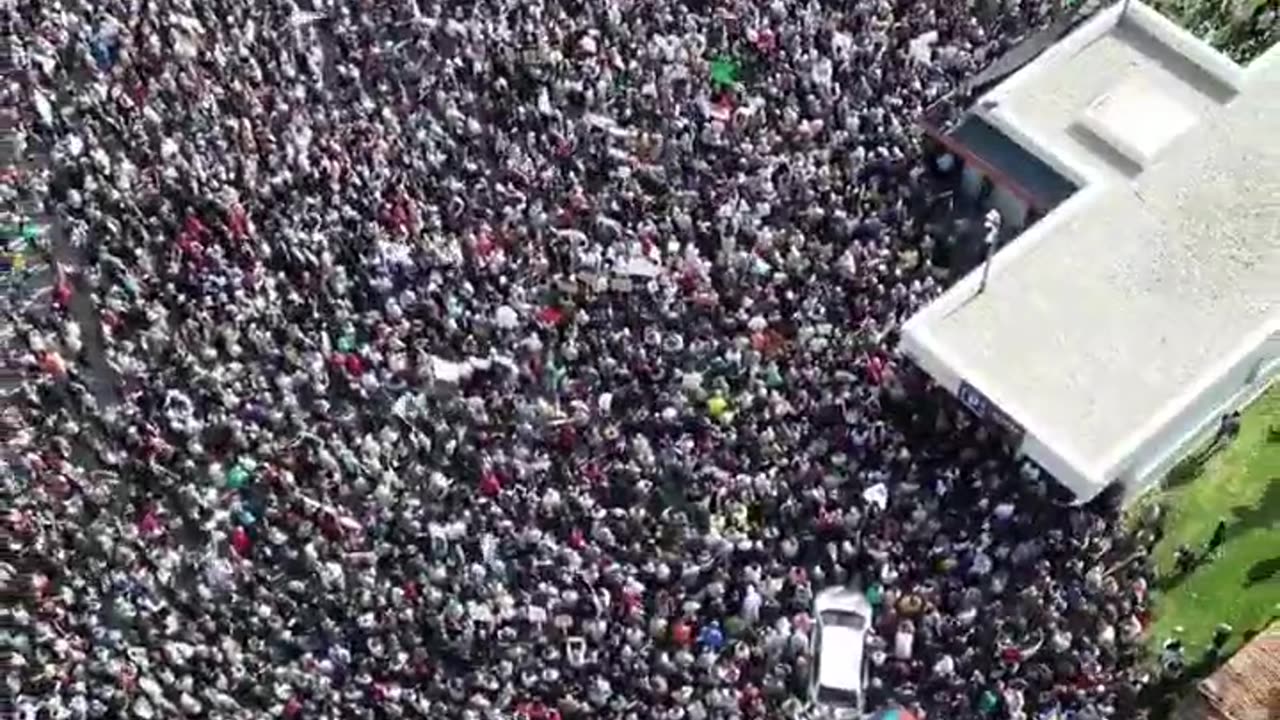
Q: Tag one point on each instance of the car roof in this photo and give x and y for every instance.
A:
(841, 648)
(842, 599)
(840, 658)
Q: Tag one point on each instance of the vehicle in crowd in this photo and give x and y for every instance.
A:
(842, 617)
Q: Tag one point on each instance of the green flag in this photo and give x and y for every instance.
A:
(875, 594)
(25, 231)
(988, 702)
(724, 72)
(237, 477)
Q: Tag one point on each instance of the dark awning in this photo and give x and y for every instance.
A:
(1030, 47)
(1029, 173)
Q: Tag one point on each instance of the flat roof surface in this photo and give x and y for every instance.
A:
(1107, 312)
(1138, 118)
(1053, 104)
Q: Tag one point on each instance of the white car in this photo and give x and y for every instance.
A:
(841, 619)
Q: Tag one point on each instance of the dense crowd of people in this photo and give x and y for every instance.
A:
(517, 360)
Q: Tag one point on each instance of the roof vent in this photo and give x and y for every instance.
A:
(1137, 119)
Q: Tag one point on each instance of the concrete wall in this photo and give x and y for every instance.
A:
(1066, 472)
(949, 372)
(1200, 53)
(1157, 447)
(1147, 455)
(1001, 116)
(1239, 383)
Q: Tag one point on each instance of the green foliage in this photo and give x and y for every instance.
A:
(1238, 584)
(1242, 29)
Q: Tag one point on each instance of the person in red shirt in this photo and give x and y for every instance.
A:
(240, 541)
(238, 223)
(490, 485)
(354, 365)
(62, 292)
(682, 634)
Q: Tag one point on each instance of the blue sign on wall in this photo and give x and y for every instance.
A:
(972, 399)
(981, 406)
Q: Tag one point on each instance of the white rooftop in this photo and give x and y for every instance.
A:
(1112, 313)
(1137, 118)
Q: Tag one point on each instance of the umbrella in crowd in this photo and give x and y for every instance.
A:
(515, 360)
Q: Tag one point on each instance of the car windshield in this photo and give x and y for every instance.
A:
(838, 618)
(836, 696)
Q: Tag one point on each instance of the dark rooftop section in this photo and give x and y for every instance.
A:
(1030, 47)
(1029, 172)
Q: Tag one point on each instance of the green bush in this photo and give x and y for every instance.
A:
(1243, 29)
